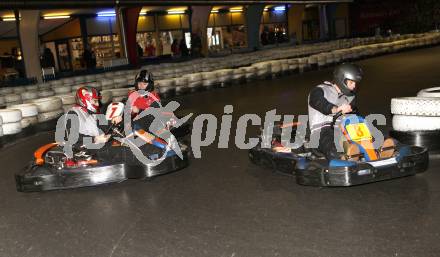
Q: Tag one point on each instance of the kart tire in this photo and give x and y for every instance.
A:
(119, 98)
(26, 122)
(29, 95)
(429, 92)
(62, 90)
(119, 92)
(12, 98)
(419, 106)
(46, 116)
(66, 108)
(46, 93)
(67, 99)
(48, 104)
(428, 139)
(27, 110)
(415, 123)
(10, 115)
(2, 100)
(19, 90)
(44, 86)
(106, 96)
(11, 128)
(6, 91)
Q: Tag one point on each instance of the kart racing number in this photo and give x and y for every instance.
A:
(358, 132)
(114, 110)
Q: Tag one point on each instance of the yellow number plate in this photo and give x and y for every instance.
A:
(358, 132)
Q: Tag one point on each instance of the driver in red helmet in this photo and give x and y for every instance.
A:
(85, 110)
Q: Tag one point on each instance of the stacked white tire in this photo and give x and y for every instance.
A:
(10, 121)
(29, 114)
(166, 87)
(195, 81)
(210, 79)
(119, 94)
(106, 96)
(68, 101)
(416, 120)
(181, 85)
(12, 99)
(49, 108)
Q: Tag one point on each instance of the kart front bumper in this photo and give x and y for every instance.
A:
(316, 174)
(319, 173)
(46, 177)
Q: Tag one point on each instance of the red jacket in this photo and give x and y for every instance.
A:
(143, 102)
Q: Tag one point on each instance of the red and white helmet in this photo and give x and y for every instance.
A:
(85, 96)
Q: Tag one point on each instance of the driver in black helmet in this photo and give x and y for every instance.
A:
(329, 98)
(144, 95)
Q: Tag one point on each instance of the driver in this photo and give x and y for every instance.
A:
(86, 109)
(144, 95)
(329, 98)
(142, 98)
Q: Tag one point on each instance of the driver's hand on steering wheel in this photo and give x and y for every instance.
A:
(345, 108)
(116, 120)
(134, 109)
(103, 138)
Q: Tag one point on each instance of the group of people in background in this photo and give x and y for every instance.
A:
(178, 48)
(270, 36)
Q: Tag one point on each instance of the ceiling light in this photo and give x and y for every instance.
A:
(280, 8)
(8, 19)
(106, 14)
(54, 17)
(176, 11)
(235, 10)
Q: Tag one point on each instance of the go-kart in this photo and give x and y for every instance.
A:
(368, 165)
(52, 169)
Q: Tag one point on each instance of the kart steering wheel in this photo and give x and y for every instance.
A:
(336, 117)
(114, 131)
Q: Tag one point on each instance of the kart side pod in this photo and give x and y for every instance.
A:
(410, 161)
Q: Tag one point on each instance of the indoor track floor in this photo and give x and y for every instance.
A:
(222, 205)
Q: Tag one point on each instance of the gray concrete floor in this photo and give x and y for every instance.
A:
(222, 205)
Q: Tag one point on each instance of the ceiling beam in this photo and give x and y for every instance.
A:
(50, 4)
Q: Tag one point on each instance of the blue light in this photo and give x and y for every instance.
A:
(106, 14)
(280, 8)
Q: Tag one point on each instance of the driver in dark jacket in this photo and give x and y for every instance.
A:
(329, 98)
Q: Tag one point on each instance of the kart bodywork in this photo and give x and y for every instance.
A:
(52, 169)
(311, 168)
(50, 172)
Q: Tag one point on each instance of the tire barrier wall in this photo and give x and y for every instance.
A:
(52, 99)
(416, 120)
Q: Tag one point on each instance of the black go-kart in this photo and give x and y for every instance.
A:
(363, 165)
(116, 162)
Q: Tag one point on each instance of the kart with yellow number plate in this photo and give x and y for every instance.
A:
(366, 165)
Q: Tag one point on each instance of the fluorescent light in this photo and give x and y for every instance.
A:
(266, 9)
(8, 19)
(235, 10)
(214, 11)
(56, 17)
(176, 12)
(106, 14)
(280, 8)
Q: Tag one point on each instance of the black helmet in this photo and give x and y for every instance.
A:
(145, 77)
(347, 71)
